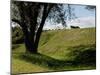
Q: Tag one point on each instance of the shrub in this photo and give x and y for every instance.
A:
(84, 55)
(17, 35)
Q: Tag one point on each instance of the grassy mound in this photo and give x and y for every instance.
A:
(73, 49)
(59, 43)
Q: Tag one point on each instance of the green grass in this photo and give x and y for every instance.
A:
(58, 45)
(20, 66)
(58, 50)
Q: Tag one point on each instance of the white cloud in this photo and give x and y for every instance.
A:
(48, 25)
(13, 24)
(83, 22)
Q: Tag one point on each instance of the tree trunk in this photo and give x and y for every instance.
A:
(29, 45)
(38, 34)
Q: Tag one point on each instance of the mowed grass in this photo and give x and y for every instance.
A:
(21, 66)
(60, 42)
(70, 49)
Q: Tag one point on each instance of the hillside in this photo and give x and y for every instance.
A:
(70, 49)
(57, 43)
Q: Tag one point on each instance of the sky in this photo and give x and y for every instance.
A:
(85, 18)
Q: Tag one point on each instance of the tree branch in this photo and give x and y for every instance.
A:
(17, 21)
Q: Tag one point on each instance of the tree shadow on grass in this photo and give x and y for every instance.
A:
(45, 61)
(82, 55)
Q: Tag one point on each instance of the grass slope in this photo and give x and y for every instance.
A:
(57, 44)
(58, 50)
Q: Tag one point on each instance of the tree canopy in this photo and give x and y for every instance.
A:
(31, 16)
(89, 7)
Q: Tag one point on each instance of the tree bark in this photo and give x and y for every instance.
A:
(29, 45)
(44, 16)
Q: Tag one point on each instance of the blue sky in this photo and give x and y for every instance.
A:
(85, 18)
(80, 11)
